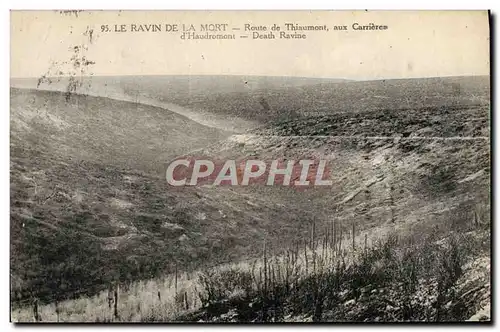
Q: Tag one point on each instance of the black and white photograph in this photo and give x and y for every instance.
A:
(250, 166)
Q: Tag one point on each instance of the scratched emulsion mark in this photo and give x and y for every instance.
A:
(76, 69)
(89, 33)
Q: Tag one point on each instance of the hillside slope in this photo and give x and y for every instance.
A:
(397, 165)
(176, 93)
(264, 105)
(239, 103)
(129, 135)
(90, 205)
(413, 169)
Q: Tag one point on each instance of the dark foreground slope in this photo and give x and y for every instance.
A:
(77, 226)
(90, 205)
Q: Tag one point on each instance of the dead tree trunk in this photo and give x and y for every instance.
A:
(57, 311)
(353, 236)
(36, 314)
(115, 311)
(110, 295)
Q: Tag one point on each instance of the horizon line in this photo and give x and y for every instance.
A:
(253, 75)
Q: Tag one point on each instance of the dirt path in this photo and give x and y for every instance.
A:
(221, 122)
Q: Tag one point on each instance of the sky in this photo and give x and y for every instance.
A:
(415, 44)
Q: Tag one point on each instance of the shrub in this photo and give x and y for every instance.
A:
(219, 285)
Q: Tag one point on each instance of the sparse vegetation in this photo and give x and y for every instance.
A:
(397, 279)
(400, 277)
